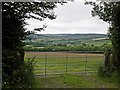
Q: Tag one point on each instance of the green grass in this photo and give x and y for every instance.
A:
(56, 64)
(73, 81)
(99, 43)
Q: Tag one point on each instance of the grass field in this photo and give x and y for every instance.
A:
(55, 64)
(64, 62)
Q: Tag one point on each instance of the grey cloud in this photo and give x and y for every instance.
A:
(72, 12)
(72, 18)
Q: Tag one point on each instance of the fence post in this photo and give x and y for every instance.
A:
(45, 63)
(86, 62)
(66, 62)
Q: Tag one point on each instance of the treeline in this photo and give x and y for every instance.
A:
(83, 47)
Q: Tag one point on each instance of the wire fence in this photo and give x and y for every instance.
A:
(49, 63)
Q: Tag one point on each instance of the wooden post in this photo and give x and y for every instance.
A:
(107, 59)
(66, 63)
(86, 62)
(45, 63)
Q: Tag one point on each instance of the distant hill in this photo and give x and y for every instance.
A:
(43, 40)
(67, 36)
(62, 42)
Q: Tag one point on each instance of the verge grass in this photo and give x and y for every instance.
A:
(74, 81)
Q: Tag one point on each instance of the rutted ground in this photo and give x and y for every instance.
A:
(73, 81)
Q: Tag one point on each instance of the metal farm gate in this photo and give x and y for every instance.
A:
(49, 63)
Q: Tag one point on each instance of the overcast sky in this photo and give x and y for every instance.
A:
(73, 17)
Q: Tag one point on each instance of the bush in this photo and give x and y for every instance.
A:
(110, 77)
(102, 72)
(23, 77)
(106, 69)
(27, 73)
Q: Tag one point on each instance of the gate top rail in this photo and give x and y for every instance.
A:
(89, 52)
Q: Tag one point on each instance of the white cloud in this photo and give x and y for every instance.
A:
(72, 18)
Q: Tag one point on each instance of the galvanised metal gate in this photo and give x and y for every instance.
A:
(49, 63)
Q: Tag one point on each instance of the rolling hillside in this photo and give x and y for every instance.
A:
(67, 36)
(55, 39)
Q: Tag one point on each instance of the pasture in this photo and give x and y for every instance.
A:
(47, 63)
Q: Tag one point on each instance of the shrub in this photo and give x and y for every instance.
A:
(23, 77)
(102, 72)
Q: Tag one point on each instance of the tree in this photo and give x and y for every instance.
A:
(14, 15)
(109, 12)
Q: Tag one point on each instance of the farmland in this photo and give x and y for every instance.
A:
(65, 42)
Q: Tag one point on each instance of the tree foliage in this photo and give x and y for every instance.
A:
(109, 12)
(14, 15)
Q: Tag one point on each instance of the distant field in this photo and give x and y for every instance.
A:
(64, 62)
(98, 43)
(46, 40)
